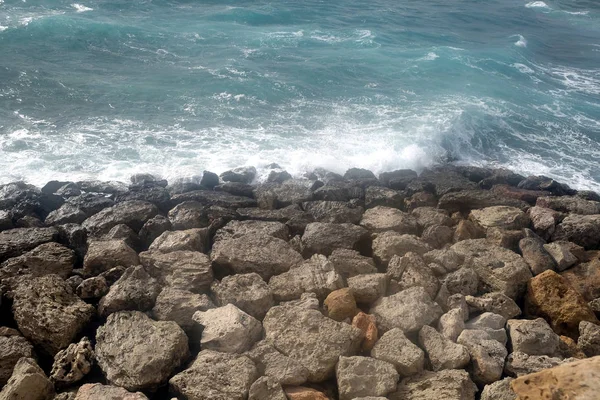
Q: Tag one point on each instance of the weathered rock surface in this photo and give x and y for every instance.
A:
(196, 239)
(491, 323)
(388, 244)
(543, 221)
(519, 364)
(92, 288)
(364, 376)
(311, 338)
(179, 306)
(106, 254)
(583, 230)
(589, 338)
(497, 303)
(452, 323)
(569, 204)
(447, 385)
(585, 278)
(349, 263)
(502, 217)
(562, 255)
(215, 376)
(304, 393)
(277, 366)
(132, 213)
(14, 242)
(73, 363)
(382, 196)
(394, 347)
(467, 200)
(533, 337)
(499, 390)
(248, 292)
(13, 346)
(323, 238)
(340, 305)
(27, 382)
(135, 290)
(184, 270)
(266, 388)
(335, 212)
(228, 329)
(442, 352)
(48, 313)
(487, 355)
(383, 219)
(368, 288)
(138, 353)
(368, 327)
(97, 391)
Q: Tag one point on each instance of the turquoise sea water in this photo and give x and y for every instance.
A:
(103, 89)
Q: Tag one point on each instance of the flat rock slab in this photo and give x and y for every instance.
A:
(183, 270)
(15, 242)
(132, 213)
(446, 385)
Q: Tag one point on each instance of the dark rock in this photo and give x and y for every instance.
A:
(124, 233)
(69, 190)
(75, 237)
(443, 180)
(102, 187)
(501, 177)
(583, 230)
(155, 195)
(547, 184)
(281, 215)
(279, 195)
(92, 288)
(184, 187)
(153, 228)
(236, 189)
(15, 242)
(359, 173)
(6, 220)
(467, 200)
(52, 186)
(334, 211)
(135, 290)
(323, 238)
(528, 196)
(214, 198)
(240, 174)
(398, 179)
(105, 254)
(13, 347)
(209, 179)
(570, 204)
(131, 213)
(339, 191)
(278, 176)
(382, 196)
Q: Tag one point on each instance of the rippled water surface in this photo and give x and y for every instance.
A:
(102, 89)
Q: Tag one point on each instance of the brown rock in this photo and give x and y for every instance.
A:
(567, 348)
(104, 255)
(585, 278)
(367, 324)
(97, 391)
(551, 297)
(340, 304)
(467, 230)
(575, 380)
(304, 393)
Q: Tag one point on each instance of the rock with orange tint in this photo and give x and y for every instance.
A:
(575, 380)
(567, 348)
(551, 297)
(304, 393)
(367, 324)
(97, 391)
(340, 304)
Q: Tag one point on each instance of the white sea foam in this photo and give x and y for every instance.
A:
(429, 57)
(524, 69)
(522, 42)
(537, 4)
(3, 28)
(81, 8)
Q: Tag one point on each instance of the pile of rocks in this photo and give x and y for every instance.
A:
(457, 283)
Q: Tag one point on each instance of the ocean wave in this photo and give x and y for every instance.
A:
(81, 8)
(537, 4)
(524, 69)
(429, 57)
(522, 42)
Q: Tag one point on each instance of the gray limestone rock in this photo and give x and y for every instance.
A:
(364, 376)
(395, 348)
(533, 337)
(135, 290)
(248, 292)
(27, 382)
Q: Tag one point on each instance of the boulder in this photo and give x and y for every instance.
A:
(550, 296)
(246, 291)
(466, 230)
(334, 212)
(138, 353)
(214, 198)
(109, 187)
(438, 236)
(103, 255)
(368, 327)
(383, 219)
(381, 196)
(499, 269)
(13, 347)
(448, 385)
(448, 259)
(27, 382)
(394, 347)
(452, 323)
(583, 230)
(562, 255)
(153, 228)
(535, 255)
(265, 388)
(185, 270)
(388, 244)
(544, 183)
(411, 271)
(543, 221)
(408, 310)
(397, 179)
(533, 337)
(503, 217)
(492, 324)
(135, 290)
(132, 213)
(189, 215)
(279, 195)
(430, 216)
(179, 306)
(497, 303)
(442, 352)
(420, 199)
(92, 288)
(97, 391)
(239, 174)
(577, 380)
(73, 363)
(528, 196)
(123, 232)
(463, 281)
(519, 364)
(585, 278)
(368, 288)
(364, 376)
(503, 238)
(569, 204)
(14, 242)
(468, 200)
(340, 305)
(48, 313)
(228, 329)
(487, 355)
(189, 240)
(311, 338)
(235, 229)
(324, 238)
(278, 367)
(263, 254)
(349, 263)
(307, 301)
(499, 390)
(589, 339)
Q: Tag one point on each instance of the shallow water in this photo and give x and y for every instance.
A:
(103, 89)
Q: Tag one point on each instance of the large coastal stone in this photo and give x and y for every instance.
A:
(533, 337)
(487, 355)
(311, 338)
(382, 219)
(184, 270)
(448, 385)
(73, 363)
(452, 323)
(228, 329)
(188, 215)
(519, 364)
(248, 292)
(335, 212)
(13, 346)
(239, 174)
(395, 348)
(589, 338)
(562, 255)
(543, 221)
(491, 323)
(316, 275)
(368, 327)
(132, 213)
(275, 365)
(397, 179)
(263, 254)
(502, 217)
(442, 352)
(138, 353)
(279, 195)
(97, 391)
(368, 288)
(408, 310)
(266, 388)
(103, 255)
(324, 238)
(497, 303)
(463, 281)
(583, 230)
(349, 263)
(468, 200)
(364, 376)
(92, 288)
(388, 244)
(135, 290)
(196, 239)
(236, 229)
(340, 305)
(535, 255)
(27, 382)
(499, 269)
(215, 376)
(550, 296)
(430, 216)
(448, 259)
(574, 380)
(411, 271)
(569, 204)
(153, 228)
(499, 390)
(585, 278)
(14, 242)
(48, 313)
(179, 306)
(382, 196)
(214, 198)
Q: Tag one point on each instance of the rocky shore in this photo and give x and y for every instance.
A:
(459, 283)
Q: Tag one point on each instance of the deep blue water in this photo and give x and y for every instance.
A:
(102, 89)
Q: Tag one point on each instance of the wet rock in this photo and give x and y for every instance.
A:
(48, 313)
(535, 255)
(92, 288)
(468, 200)
(382, 196)
(585, 278)
(408, 310)
(27, 382)
(383, 219)
(246, 291)
(6, 221)
(188, 240)
(451, 324)
(397, 179)
(135, 290)
(13, 346)
(502, 217)
(349, 263)
(214, 198)
(109, 187)
(368, 288)
(323, 238)
(411, 271)
(368, 327)
(263, 254)
(388, 244)
(311, 338)
(316, 275)
(138, 353)
(533, 337)
(589, 338)
(73, 363)
(97, 391)
(156, 195)
(14, 242)
(340, 305)
(209, 179)
(528, 196)
(104, 255)
(278, 367)
(75, 237)
(544, 183)
(498, 269)
(497, 303)
(583, 230)
(569, 204)
(359, 173)
(364, 376)
(335, 212)
(133, 213)
(550, 296)
(487, 355)
(67, 213)
(265, 388)
(179, 306)
(185, 270)
(560, 252)
(519, 364)
(580, 379)
(442, 352)
(239, 174)
(447, 385)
